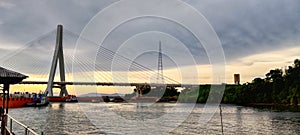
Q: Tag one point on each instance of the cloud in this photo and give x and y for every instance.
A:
(262, 63)
(245, 28)
(6, 5)
(30, 19)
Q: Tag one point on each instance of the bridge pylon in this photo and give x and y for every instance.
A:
(57, 57)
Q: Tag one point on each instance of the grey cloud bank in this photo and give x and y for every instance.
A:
(244, 27)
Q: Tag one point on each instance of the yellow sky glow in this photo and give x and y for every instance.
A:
(249, 67)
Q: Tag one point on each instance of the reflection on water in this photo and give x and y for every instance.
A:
(139, 112)
(104, 118)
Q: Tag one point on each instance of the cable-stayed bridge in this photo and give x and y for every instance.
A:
(40, 67)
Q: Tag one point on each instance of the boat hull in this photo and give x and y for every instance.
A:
(16, 102)
(37, 104)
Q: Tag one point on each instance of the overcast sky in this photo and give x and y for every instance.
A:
(256, 35)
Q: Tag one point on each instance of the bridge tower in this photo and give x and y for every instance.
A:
(57, 57)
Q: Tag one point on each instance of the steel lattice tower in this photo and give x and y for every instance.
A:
(160, 76)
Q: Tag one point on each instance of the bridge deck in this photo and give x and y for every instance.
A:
(107, 84)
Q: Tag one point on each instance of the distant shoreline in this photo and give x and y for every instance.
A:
(270, 104)
(274, 106)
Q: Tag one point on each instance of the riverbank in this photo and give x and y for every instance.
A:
(270, 104)
(274, 106)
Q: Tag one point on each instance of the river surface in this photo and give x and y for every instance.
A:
(161, 118)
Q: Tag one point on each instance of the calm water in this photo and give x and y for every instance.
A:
(114, 118)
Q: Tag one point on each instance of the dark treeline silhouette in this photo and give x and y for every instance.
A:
(278, 87)
(165, 94)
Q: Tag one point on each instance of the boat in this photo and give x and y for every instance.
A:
(37, 104)
(117, 99)
(69, 98)
(39, 101)
(96, 101)
(17, 100)
(88, 99)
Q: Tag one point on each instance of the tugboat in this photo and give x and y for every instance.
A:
(39, 101)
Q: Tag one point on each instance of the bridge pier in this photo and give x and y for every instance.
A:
(139, 90)
(63, 90)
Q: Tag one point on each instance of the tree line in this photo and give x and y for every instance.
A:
(278, 87)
